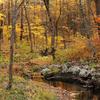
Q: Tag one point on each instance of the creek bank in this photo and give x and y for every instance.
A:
(84, 75)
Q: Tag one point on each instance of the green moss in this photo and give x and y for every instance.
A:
(93, 65)
(55, 70)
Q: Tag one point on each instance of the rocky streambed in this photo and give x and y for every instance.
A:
(84, 75)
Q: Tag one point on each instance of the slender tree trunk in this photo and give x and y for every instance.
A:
(1, 31)
(21, 35)
(11, 57)
(34, 40)
(64, 42)
(52, 28)
(57, 21)
(9, 14)
(46, 32)
(89, 30)
(12, 41)
(0, 41)
(29, 28)
(87, 26)
(1, 34)
(97, 2)
(12, 38)
(46, 39)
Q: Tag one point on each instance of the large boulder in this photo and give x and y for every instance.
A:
(64, 68)
(84, 73)
(74, 70)
(54, 66)
(45, 71)
(87, 67)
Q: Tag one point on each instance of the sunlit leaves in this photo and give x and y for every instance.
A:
(2, 16)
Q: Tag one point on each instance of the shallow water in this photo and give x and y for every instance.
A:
(76, 92)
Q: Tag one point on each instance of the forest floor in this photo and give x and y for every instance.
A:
(26, 86)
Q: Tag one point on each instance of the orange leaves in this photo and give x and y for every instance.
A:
(96, 41)
(97, 19)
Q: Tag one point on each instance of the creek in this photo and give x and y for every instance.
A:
(69, 91)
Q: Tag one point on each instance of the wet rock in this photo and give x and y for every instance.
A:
(92, 70)
(74, 69)
(64, 68)
(54, 66)
(45, 71)
(87, 67)
(84, 73)
(96, 75)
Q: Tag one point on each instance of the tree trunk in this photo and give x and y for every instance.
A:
(97, 2)
(46, 33)
(46, 38)
(87, 26)
(52, 28)
(21, 35)
(11, 56)
(1, 34)
(29, 28)
(12, 40)
(9, 14)
(64, 40)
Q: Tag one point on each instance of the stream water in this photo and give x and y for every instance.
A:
(74, 92)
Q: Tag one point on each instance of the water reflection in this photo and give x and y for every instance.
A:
(75, 92)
